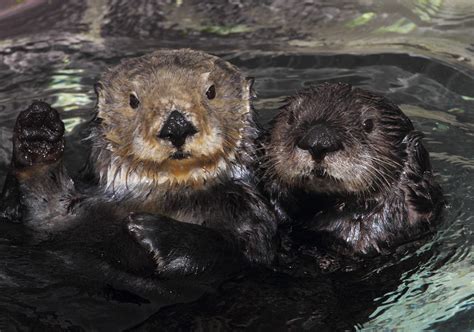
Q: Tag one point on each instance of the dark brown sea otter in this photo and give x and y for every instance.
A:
(172, 145)
(348, 164)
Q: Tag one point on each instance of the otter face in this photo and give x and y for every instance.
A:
(337, 139)
(175, 116)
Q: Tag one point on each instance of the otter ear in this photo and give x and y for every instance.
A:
(250, 82)
(416, 151)
(99, 89)
(205, 76)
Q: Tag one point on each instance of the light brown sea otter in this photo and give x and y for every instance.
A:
(172, 119)
(172, 142)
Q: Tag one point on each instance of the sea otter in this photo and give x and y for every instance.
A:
(172, 151)
(348, 165)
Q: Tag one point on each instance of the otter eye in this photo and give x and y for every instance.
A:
(134, 102)
(211, 92)
(368, 125)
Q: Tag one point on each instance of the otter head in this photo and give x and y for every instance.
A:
(336, 139)
(175, 117)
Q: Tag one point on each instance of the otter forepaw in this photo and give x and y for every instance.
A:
(158, 235)
(181, 249)
(38, 136)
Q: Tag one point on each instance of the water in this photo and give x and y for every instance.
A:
(418, 53)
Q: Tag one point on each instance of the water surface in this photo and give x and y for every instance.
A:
(418, 53)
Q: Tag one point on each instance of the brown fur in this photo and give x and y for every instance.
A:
(125, 141)
(376, 190)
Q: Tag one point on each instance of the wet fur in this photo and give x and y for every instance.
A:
(147, 212)
(126, 152)
(214, 186)
(374, 193)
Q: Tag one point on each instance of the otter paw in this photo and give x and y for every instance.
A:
(153, 233)
(178, 249)
(38, 137)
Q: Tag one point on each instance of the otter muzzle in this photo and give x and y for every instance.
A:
(319, 141)
(176, 129)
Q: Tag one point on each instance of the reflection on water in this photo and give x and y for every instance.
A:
(418, 53)
(73, 95)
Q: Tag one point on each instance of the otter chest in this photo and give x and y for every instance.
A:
(183, 210)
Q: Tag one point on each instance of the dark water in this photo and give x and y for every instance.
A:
(57, 53)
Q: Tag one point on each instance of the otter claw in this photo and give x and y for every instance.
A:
(38, 136)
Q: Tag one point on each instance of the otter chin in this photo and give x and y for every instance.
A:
(349, 165)
(172, 118)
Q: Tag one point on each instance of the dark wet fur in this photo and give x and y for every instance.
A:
(103, 242)
(400, 204)
(299, 296)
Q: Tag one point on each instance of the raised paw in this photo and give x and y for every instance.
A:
(38, 137)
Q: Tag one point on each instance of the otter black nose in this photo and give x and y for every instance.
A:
(176, 128)
(319, 141)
